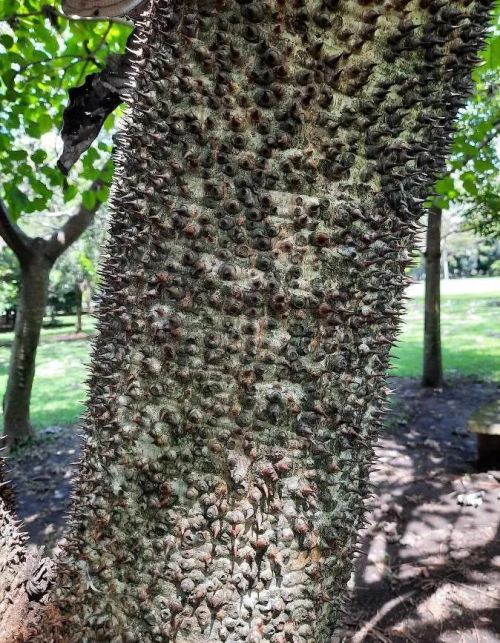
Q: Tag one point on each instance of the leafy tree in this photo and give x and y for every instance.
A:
(43, 54)
(78, 265)
(473, 178)
(266, 201)
(9, 284)
(472, 181)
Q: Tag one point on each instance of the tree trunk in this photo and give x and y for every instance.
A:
(32, 302)
(25, 576)
(444, 259)
(433, 368)
(78, 300)
(266, 203)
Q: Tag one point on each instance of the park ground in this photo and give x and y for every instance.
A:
(430, 567)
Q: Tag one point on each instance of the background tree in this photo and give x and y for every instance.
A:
(74, 277)
(472, 183)
(9, 286)
(43, 53)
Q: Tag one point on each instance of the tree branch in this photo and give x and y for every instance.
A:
(14, 237)
(74, 227)
(51, 13)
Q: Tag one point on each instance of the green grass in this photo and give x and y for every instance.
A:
(470, 335)
(58, 391)
(65, 325)
(470, 330)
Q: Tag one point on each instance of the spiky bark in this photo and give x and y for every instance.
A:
(24, 581)
(267, 196)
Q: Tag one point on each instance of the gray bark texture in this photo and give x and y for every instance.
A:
(266, 200)
(433, 365)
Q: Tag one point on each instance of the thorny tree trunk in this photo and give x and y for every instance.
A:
(265, 204)
(24, 578)
(32, 302)
(433, 367)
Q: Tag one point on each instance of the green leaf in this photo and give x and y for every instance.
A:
(102, 194)
(8, 78)
(40, 188)
(482, 166)
(6, 41)
(39, 156)
(18, 155)
(469, 183)
(17, 200)
(89, 199)
(70, 192)
(444, 185)
(45, 123)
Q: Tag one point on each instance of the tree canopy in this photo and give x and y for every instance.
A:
(43, 55)
(473, 178)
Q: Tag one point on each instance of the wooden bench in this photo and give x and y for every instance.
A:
(485, 423)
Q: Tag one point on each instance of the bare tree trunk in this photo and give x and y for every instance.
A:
(29, 320)
(432, 367)
(444, 259)
(78, 300)
(36, 257)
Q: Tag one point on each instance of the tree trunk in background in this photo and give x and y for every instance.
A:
(433, 368)
(444, 259)
(36, 257)
(30, 313)
(78, 301)
(265, 204)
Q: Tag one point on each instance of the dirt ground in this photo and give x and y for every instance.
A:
(430, 571)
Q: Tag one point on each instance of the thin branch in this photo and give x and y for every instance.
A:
(50, 60)
(14, 237)
(101, 42)
(62, 16)
(74, 227)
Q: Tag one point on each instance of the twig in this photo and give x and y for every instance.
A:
(370, 625)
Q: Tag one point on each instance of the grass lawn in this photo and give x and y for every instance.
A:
(470, 336)
(58, 390)
(470, 329)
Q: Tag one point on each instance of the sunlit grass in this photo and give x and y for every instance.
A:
(470, 335)
(470, 330)
(65, 325)
(58, 390)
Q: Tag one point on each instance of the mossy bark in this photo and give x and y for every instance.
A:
(268, 189)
